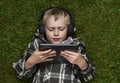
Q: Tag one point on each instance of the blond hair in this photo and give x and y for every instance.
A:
(56, 12)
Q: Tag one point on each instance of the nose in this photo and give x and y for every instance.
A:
(56, 32)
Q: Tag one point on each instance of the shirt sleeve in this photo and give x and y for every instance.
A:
(89, 72)
(19, 66)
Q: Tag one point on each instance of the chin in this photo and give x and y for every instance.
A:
(56, 43)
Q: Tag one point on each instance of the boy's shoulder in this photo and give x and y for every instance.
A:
(40, 38)
(71, 40)
(78, 41)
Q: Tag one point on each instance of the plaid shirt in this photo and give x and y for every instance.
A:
(50, 73)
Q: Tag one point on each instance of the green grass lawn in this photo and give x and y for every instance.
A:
(97, 23)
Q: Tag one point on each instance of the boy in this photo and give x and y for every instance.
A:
(56, 28)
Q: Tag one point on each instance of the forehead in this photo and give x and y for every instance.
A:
(61, 20)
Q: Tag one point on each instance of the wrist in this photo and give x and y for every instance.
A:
(87, 73)
(83, 65)
(89, 69)
(29, 64)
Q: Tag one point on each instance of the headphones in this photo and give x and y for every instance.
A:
(71, 28)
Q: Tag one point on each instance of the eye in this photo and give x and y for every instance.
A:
(51, 28)
(61, 28)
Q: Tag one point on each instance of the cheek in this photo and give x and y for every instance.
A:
(48, 34)
(49, 37)
(65, 32)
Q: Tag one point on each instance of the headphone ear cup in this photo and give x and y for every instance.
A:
(41, 29)
(71, 30)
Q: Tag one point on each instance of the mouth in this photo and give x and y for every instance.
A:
(56, 39)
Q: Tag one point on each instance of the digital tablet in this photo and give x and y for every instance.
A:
(58, 48)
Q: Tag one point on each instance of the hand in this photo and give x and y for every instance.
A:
(75, 58)
(39, 57)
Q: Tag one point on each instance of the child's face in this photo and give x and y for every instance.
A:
(56, 31)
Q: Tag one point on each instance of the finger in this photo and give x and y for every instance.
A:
(44, 60)
(50, 55)
(69, 52)
(49, 59)
(67, 58)
(52, 52)
(65, 53)
(46, 51)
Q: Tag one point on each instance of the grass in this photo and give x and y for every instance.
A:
(97, 23)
